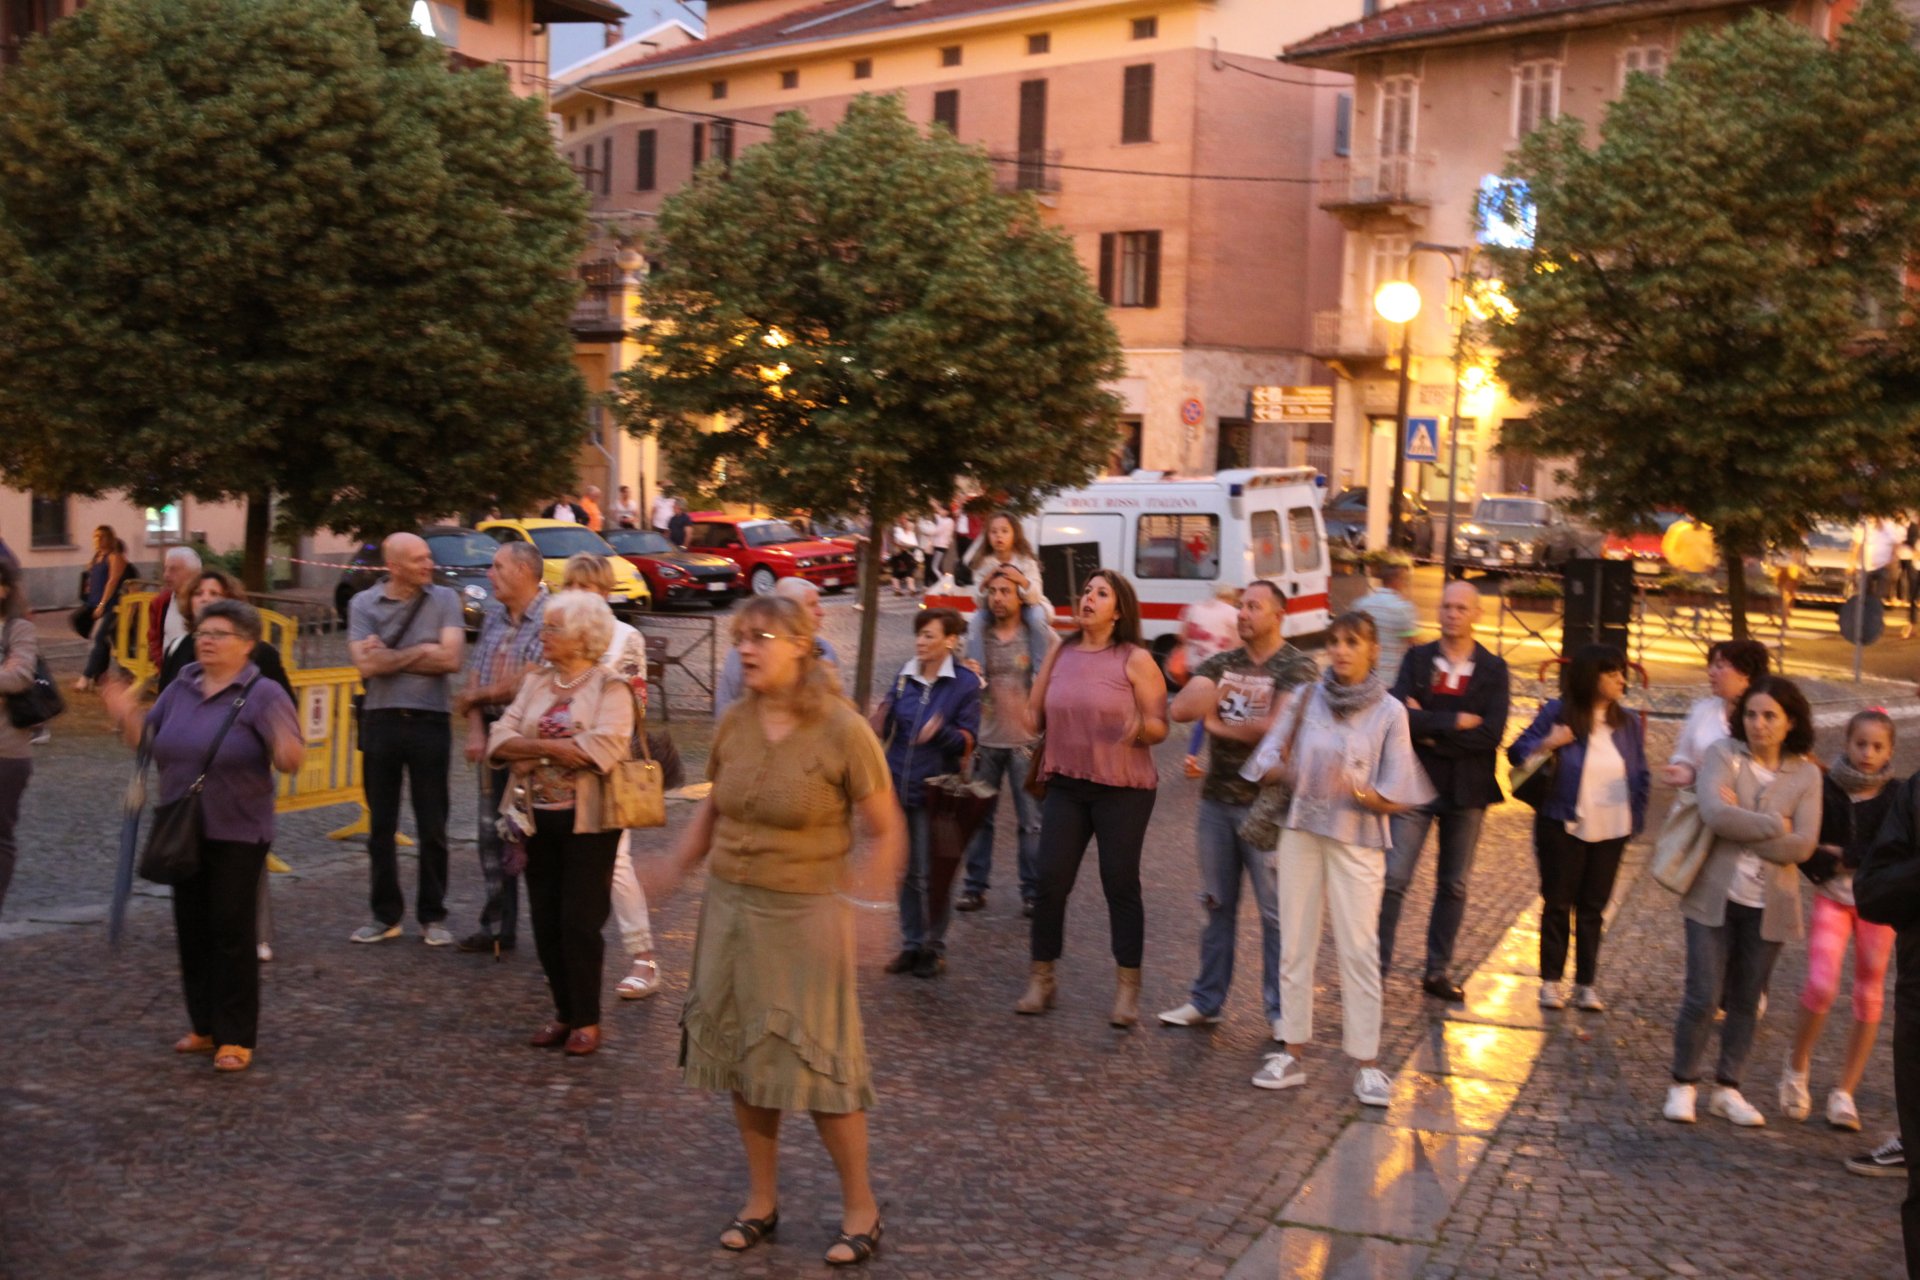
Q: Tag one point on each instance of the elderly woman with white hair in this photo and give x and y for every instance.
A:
(570, 723)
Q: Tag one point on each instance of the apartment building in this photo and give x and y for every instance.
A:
(50, 533)
(1443, 92)
(1160, 134)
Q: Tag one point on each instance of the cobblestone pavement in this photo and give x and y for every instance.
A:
(395, 1125)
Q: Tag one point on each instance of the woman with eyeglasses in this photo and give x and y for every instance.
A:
(189, 731)
(772, 1014)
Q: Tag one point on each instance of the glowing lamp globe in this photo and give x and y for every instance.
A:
(1397, 301)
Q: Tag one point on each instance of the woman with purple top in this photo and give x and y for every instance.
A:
(222, 717)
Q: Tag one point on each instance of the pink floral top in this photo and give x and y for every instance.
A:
(550, 786)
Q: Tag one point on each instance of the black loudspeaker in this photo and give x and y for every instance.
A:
(1599, 604)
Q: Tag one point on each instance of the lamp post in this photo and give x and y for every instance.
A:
(1398, 302)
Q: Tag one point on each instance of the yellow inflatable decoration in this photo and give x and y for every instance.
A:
(1688, 546)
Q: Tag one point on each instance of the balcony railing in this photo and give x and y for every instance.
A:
(1376, 181)
(1031, 170)
(594, 312)
(1348, 333)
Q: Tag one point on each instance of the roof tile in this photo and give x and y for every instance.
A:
(1420, 20)
(821, 22)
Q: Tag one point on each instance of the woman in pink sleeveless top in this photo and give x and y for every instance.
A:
(1102, 704)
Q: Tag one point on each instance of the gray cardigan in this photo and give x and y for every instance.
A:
(1755, 825)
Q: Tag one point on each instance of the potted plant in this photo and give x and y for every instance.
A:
(1533, 595)
(1688, 590)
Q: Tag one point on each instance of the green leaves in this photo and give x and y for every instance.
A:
(1709, 319)
(253, 246)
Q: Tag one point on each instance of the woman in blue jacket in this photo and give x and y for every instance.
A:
(1598, 800)
(930, 719)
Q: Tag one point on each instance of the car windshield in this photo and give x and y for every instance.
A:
(1511, 511)
(561, 541)
(1827, 536)
(462, 550)
(641, 542)
(767, 533)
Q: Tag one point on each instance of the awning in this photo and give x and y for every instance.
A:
(577, 11)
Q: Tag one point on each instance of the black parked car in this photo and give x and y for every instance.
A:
(1345, 516)
(1519, 531)
(461, 557)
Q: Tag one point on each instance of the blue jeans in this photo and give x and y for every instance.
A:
(1459, 837)
(500, 914)
(923, 925)
(1005, 768)
(1730, 963)
(1223, 856)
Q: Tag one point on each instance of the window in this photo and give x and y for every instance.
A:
(1647, 59)
(645, 159)
(1130, 268)
(723, 142)
(1369, 7)
(717, 90)
(789, 79)
(1306, 539)
(572, 122)
(1536, 96)
(164, 524)
(606, 166)
(649, 98)
(950, 56)
(1146, 28)
(1125, 458)
(1184, 546)
(1343, 124)
(946, 110)
(480, 10)
(699, 144)
(1233, 444)
(1136, 104)
(1033, 135)
(49, 523)
(589, 115)
(1040, 43)
(1269, 557)
(1397, 98)
(863, 68)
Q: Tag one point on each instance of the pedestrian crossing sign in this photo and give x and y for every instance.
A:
(1423, 439)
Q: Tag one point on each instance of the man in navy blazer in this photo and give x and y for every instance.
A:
(1456, 694)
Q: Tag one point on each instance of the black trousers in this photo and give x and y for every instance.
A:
(1074, 812)
(416, 745)
(213, 920)
(569, 894)
(1576, 879)
(1906, 1079)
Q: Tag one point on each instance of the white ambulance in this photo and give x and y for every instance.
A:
(1178, 538)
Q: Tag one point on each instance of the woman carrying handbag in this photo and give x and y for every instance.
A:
(1593, 798)
(568, 727)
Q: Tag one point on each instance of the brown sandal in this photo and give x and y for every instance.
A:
(193, 1042)
(232, 1058)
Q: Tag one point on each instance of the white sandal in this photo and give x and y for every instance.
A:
(636, 987)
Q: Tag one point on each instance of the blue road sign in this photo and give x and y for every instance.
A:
(1423, 439)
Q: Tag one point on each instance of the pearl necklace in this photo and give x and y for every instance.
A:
(569, 686)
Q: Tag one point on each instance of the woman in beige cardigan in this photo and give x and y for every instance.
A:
(571, 722)
(1759, 794)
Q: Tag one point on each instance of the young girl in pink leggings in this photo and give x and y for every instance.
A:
(1856, 797)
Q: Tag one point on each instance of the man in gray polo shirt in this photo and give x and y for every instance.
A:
(406, 638)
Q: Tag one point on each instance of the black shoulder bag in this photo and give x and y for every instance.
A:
(40, 701)
(172, 854)
(359, 703)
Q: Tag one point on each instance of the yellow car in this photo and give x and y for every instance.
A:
(558, 539)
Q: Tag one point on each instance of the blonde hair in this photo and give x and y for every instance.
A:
(817, 688)
(589, 572)
(584, 618)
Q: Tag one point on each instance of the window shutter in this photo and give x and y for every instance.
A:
(606, 166)
(1150, 292)
(699, 144)
(1136, 104)
(1343, 124)
(644, 176)
(1109, 245)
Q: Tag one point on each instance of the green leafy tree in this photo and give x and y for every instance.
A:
(1712, 317)
(275, 250)
(855, 320)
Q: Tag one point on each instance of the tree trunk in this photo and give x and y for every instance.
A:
(869, 609)
(1736, 562)
(259, 530)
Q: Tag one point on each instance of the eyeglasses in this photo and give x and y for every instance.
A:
(204, 634)
(762, 637)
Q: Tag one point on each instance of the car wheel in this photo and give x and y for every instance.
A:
(763, 581)
(834, 591)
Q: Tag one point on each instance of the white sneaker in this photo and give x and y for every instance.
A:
(1553, 995)
(437, 935)
(1728, 1103)
(1372, 1087)
(1279, 1037)
(1679, 1108)
(1187, 1015)
(375, 932)
(1841, 1113)
(263, 950)
(1588, 999)
(1281, 1071)
(1795, 1102)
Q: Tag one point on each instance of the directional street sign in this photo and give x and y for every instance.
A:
(1423, 439)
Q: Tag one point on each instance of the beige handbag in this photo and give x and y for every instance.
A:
(1683, 846)
(633, 794)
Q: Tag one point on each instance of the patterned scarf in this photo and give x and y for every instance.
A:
(1346, 700)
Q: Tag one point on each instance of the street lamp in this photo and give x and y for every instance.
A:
(1398, 302)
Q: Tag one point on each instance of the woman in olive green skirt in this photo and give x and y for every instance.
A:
(772, 1015)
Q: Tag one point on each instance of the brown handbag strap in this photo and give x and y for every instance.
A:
(639, 722)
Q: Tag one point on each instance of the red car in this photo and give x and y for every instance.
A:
(769, 550)
(676, 576)
(1643, 548)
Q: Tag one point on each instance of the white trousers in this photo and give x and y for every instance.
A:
(630, 902)
(1315, 872)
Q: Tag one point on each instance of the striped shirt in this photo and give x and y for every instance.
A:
(506, 647)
